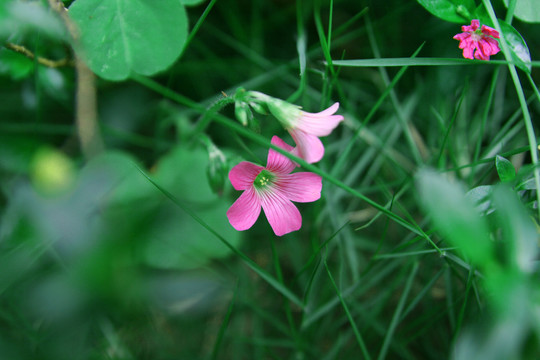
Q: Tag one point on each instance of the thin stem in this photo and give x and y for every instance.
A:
(41, 60)
(533, 146)
(86, 99)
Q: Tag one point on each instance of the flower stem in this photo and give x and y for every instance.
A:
(533, 146)
(86, 98)
(208, 115)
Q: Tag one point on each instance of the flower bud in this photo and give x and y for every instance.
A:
(243, 112)
(217, 170)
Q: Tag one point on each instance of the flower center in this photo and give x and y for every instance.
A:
(264, 178)
(477, 35)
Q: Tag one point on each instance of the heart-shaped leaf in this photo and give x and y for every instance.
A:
(518, 48)
(526, 10)
(123, 36)
(457, 11)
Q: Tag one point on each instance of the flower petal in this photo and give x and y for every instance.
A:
(310, 147)
(489, 46)
(277, 162)
(462, 36)
(475, 24)
(489, 31)
(243, 175)
(330, 111)
(245, 210)
(301, 187)
(281, 213)
(320, 124)
(468, 49)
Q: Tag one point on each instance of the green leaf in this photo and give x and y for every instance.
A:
(480, 196)
(526, 10)
(519, 232)
(505, 169)
(457, 11)
(123, 36)
(455, 216)
(518, 48)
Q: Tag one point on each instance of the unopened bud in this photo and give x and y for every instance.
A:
(243, 112)
(217, 169)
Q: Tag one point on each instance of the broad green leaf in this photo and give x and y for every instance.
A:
(457, 11)
(123, 36)
(480, 196)
(505, 169)
(519, 232)
(518, 48)
(527, 10)
(455, 216)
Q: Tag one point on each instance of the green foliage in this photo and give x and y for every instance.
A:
(119, 37)
(457, 11)
(424, 244)
(526, 10)
(455, 216)
(519, 50)
(505, 169)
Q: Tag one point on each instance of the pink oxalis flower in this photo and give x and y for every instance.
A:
(478, 43)
(305, 128)
(273, 188)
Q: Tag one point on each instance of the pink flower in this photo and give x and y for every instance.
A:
(273, 188)
(305, 128)
(478, 42)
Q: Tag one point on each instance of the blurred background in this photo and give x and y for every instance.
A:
(96, 262)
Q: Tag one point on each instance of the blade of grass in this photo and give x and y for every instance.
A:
(422, 293)
(463, 307)
(393, 62)
(409, 253)
(485, 114)
(286, 304)
(393, 97)
(379, 274)
(397, 314)
(359, 338)
(344, 154)
(198, 24)
(450, 126)
(224, 325)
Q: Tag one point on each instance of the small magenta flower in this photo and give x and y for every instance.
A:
(478, 43)
(305, 128)
(273, 188)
